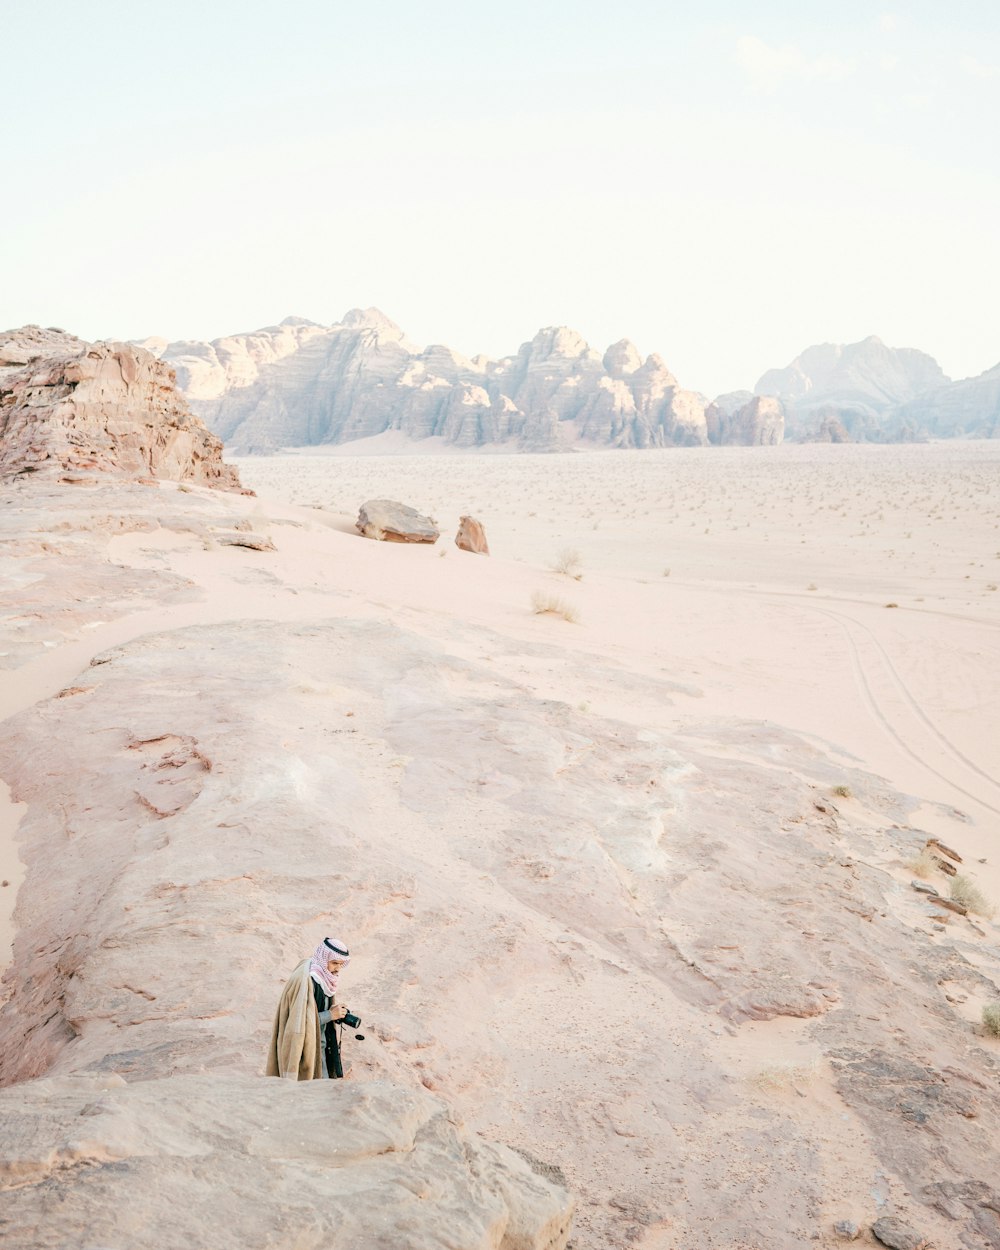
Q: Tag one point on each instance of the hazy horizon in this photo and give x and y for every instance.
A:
(724, 189)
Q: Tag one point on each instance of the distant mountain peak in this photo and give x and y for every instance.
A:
(371, 319)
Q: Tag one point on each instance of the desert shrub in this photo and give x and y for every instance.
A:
(924, 865)
(542, 602)
(843, 792)
(782, 1076)
(965, 891)
(991, 1019)
(568, 561)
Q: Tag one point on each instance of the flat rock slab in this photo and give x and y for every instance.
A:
(239, 538)
(388, 521)
(255, 1163)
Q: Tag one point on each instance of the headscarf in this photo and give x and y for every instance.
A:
(329, 948)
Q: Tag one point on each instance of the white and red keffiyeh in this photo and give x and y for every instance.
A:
(328, 949)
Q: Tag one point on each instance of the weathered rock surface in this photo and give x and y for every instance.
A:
(300, 383)
(471, 536)
(73, 408)
(893, 1233)
(253, 1164)
(388, 521)
(279, 752)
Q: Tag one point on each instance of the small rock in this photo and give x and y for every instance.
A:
(846, 1230)
(897, 1235)
(922, 887)
(385, 520)
(950, 905)
(256, 542)
(471, 536)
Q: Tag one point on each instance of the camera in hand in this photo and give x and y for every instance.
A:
(350, 1021)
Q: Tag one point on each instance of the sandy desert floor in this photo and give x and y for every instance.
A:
(848, 592)
(775, 642)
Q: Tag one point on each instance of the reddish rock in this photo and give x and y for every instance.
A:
(472, 537)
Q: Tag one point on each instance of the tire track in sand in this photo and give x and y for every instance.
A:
(866, 679)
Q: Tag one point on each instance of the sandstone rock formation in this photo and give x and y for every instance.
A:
(745, 419)
(860, 386)
(300, 383)
(471, 536)
(69, 407)
(388, 521)
(249, 1164)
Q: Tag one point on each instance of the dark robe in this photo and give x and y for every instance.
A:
(328, 1034)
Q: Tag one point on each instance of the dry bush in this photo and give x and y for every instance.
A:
(991, 1019)
(568, 561)
(965, 891)
(843, 792)
(924, 866)
(782, 1076)
(542, 602)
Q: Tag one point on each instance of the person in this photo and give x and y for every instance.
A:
(304, 1045)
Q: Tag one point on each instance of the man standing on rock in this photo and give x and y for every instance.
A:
(304, 1044)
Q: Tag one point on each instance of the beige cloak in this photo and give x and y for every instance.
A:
(296, 1051)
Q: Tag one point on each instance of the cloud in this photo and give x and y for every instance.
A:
(769, 68)
(888, 22)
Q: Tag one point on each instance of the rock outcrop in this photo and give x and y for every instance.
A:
(388, 521)
(71, 408)
(300, 384)
(745, 419)
(250, 1164)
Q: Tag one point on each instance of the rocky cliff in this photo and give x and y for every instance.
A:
(70, 407)
(300, 383)
(745, 419)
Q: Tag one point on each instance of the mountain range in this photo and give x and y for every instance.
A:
(301, 383)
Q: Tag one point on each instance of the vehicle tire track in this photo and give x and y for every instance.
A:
(862, 677)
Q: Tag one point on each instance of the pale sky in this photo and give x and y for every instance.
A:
(724, 184)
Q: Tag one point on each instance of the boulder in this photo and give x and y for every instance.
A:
(897, 1235)
(471, 536)
(250, 1163)
(77, 408)
(389, 521)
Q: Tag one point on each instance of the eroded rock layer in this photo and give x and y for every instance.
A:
(73, 408)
